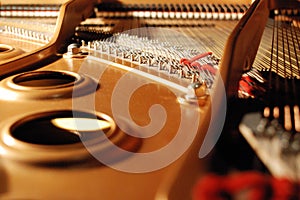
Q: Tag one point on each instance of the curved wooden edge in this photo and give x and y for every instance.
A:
(242, 44)
(71, 14)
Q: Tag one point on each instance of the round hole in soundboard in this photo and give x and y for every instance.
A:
(52, 137)
(8, 52)
(61, 128)
(44, 79)
(5, 48)
(47, 84)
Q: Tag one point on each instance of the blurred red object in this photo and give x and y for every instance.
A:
(247, 186)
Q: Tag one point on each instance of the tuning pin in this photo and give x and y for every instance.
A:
(295, 143)
(194, 78)
(116, 51)
(131, 57)
(82, 43)
(261, 127)
(160, 65)
(285, 139)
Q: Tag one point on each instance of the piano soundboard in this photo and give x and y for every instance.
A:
(126, 100)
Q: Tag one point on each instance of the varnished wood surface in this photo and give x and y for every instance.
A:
(82, 176)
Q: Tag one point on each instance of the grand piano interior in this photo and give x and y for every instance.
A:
(146, 100)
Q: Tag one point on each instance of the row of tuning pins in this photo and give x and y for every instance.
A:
(163, 59)
(283, 123)
(28, 34)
